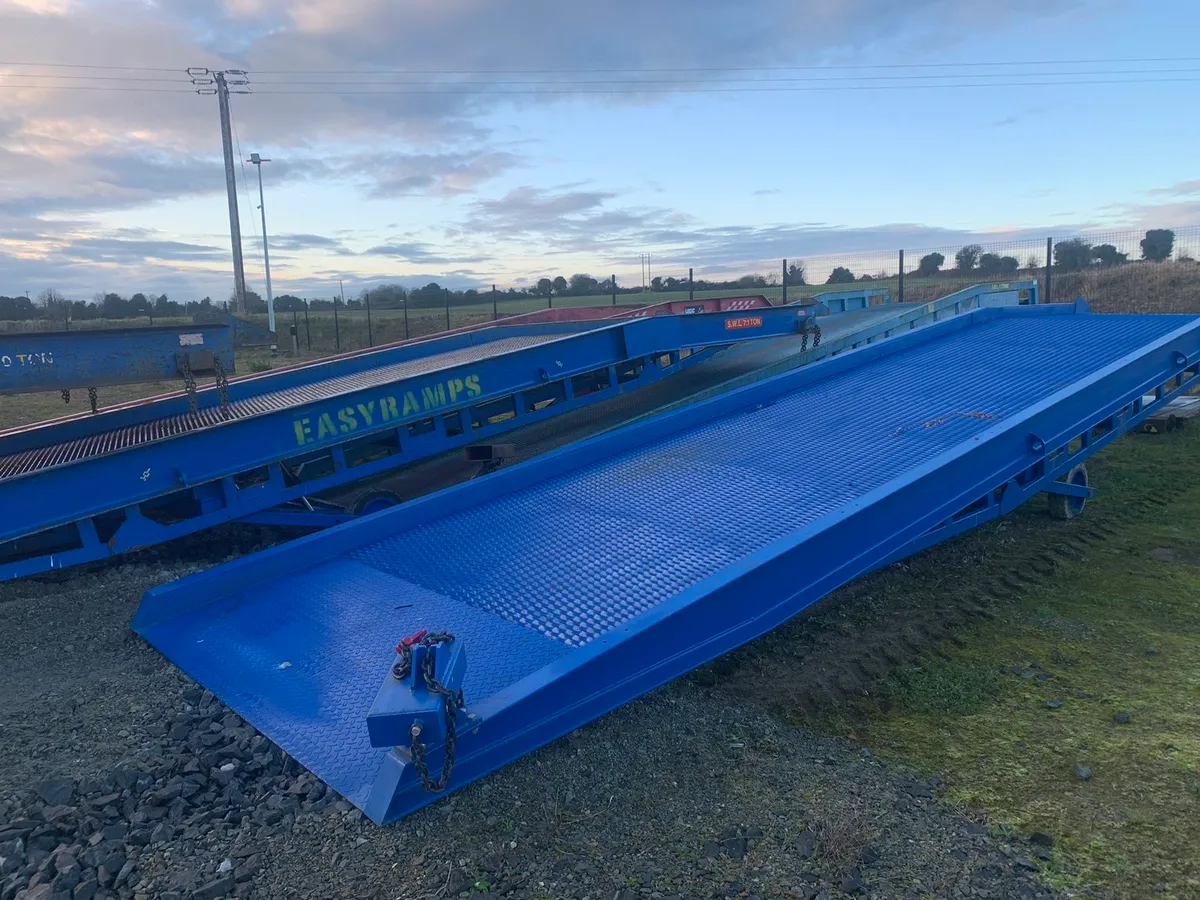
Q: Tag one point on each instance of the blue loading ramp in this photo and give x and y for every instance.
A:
(149, 471)
(574, 583)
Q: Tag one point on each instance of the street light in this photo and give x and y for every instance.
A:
(258, 161)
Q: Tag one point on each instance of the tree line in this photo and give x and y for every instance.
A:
(1070, 255)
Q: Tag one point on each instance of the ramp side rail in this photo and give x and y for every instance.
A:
(847, 301)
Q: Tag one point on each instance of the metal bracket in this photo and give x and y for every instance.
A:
(199, 362)
(1066, 489)
(404, 702)
(489, 456)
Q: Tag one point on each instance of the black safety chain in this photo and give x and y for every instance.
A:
(222, 385)
(816, 335)
(803, 335)
(66, 395)
(451, 702)
(189, 383)
(403, 666)
(92, 400)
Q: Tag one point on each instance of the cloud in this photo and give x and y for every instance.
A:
(567, 219)
(298, 54)
(294, 242)
(446, 174)
(414, 252)
(121, 250)
(767, 191)
(573, 219)
(1181, 189)
(79, 153)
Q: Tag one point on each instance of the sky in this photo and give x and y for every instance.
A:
(474, 142)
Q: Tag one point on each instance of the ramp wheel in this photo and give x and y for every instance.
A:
(1064, 507)
(373, 502)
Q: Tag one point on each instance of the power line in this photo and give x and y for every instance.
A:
(667, 88)
(633, 69)
(711, 68)
(50, 65)
(794, 80)
(724, 90)
(652, 86)
(98, 87)
(183, 79)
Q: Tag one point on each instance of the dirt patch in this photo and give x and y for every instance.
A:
(1173, 555)
(681, 794)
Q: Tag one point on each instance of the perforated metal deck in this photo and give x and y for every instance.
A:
(536, 571)
(260, 404)
(659, 519)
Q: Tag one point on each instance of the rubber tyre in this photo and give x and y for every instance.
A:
(373, 502)
(1063, 507)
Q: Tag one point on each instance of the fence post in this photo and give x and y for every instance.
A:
(550, 297)
(900, 290)
(691, 285)
(495, 313)
(1049, 268)
(614, 289)
(784, 303)
(447, 309)
(295, 330)
(337, 329)
(406, 296)
(370, 331)
(307, 329)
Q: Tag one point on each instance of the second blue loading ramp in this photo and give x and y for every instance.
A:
(578, 581)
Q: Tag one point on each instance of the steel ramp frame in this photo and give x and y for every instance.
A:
(117, 499)
(836, 332)
(562, 687)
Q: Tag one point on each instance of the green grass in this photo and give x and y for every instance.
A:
(988, 734)
(938, 687)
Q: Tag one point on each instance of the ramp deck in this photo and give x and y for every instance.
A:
(580, 580)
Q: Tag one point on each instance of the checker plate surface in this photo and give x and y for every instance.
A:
(525, 577)
(307, 673)
(576, 555)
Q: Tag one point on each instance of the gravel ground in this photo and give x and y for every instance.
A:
(121, 778)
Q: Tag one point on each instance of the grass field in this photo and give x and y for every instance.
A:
(1084, 652)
